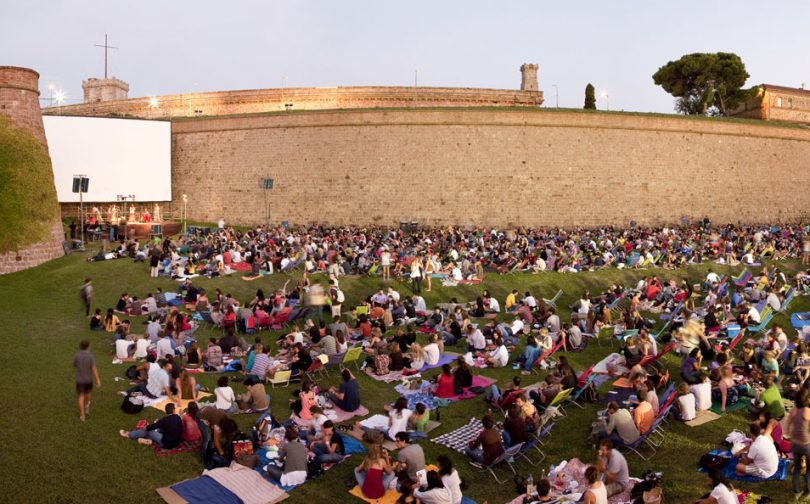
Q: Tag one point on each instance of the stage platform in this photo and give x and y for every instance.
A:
(142, 230)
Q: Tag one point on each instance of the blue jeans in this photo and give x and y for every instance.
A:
(507, 438)
(155, 435)
(322, 454)
(447, 338)
(800, 451)
(477, 454)
(360, 476)
(493, 394)
(416, 436)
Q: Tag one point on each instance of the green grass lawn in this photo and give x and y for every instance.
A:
(52, 457)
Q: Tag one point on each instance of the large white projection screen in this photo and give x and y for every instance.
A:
(120, 156)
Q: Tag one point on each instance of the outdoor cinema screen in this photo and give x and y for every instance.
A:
(120, 157)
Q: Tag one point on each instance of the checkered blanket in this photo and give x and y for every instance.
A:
(459, 439)
(184, 447)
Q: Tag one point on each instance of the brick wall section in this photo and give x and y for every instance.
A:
(488, 167)
(274, 100)
(19, 100)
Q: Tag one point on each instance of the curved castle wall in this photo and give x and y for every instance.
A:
(488, 167)
(19, 101)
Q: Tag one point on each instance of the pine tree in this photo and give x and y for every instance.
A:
(590, 98)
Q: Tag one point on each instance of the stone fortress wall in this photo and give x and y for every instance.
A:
(19, 100)
(488, 167)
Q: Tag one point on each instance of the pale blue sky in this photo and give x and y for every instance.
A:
(174, 46)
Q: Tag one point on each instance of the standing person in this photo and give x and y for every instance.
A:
(154, 263)
(385, 262)
(86, 370)
(798, 422)
(416, 275)
(86, 293)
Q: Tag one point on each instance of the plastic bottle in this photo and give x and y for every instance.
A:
(530, 486)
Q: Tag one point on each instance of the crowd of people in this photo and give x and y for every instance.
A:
(521, 331)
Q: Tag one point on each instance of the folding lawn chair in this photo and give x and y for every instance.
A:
(506, 456)
(281, 377)
(545, 355)
(318, 367)
(352, 355)
(578, 393)
(527, 447)
(561, 397)
(553, 301)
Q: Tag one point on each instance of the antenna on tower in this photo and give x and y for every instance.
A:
(105, 46)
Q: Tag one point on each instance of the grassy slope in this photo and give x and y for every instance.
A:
(74, 462)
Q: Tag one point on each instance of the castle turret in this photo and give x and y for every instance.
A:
(528, 77)
(104, 90)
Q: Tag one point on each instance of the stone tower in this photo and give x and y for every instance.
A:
(102, 90)
(528, 77)
(19, 102)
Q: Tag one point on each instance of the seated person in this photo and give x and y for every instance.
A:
(166, 432)
(685, 403)
(620, 427)
(328, 448)
(462, 375)
(293, 454)
(702, 391)
(226, 400)
(255, 399)
(690, 369)
(530, 354)
(514, 427)
(497, 396)
(761, 459)
(643, 415)
(347, 396)
(191, 425)
(417, 422)
(375, 474)
(546, 392)
(498, 357)
(614, 466)
(488, 446)
(445, 383)
(213, 356)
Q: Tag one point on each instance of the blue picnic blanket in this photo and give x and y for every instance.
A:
(203, 490)
(443, 359)
(729, 471)
(799, 320)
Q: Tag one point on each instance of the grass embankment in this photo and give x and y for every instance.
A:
(27, 194)
(51, 457)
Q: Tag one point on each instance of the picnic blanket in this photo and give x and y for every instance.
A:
(183, 447)
(161, 402)
(458, 439)
(703, 417)
(236, 484)
(615, 360)
(445, 358)
(729, 470)
(391, 495)
(477, 381)
(799, 320)
(381, 422)
(742, 403)
(391, 377)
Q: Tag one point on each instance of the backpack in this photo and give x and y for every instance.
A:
(590, 394)
(132, 403)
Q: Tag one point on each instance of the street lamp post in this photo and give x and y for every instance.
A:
(185, 208)
(556, 96)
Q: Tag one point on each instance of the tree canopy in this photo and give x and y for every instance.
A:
(590, 98)
(705, 83)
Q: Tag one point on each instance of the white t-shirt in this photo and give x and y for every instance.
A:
(141, 348)
(476, 340)
(763, 453)
(687, 403)
(399, 423)
(432, 353)
(501, 356)
(434, 496)
(584, 307)
(703, 395)
(452, 482)
(712, 278)
(385, 259)
(225, 397)
(753, 314)
(494, 306)
(530, 301)
(517, 326)
(122, 347)
(723, 495)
